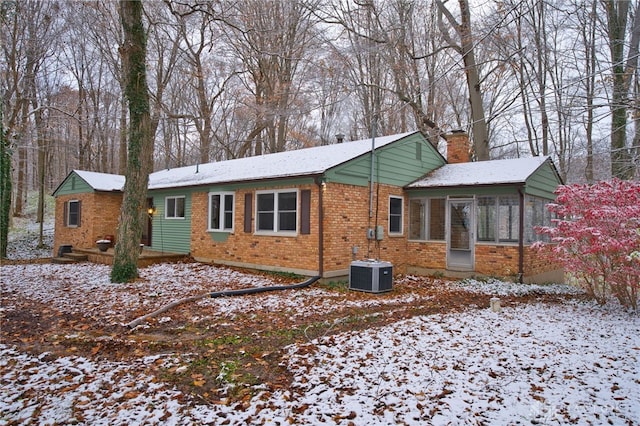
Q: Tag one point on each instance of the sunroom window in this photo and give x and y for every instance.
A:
(427, 219)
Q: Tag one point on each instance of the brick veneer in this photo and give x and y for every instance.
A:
(497, 260)
(346, 220)
(98, 217)
(299, 252)
(346, 212)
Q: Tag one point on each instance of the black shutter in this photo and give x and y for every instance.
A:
(247, 212)
(305, 211)
(79, 211)
(65, 212)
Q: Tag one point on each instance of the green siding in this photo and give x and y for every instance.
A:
(73, 184)
(272, 183)
(543, 182)
(171, 235)
(395, 164)
(464, 192)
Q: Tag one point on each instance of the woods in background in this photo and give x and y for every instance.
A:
(234, 79)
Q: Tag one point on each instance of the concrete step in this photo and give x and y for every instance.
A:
(78, 257)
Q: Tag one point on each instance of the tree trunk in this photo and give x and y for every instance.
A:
(479, 125)
(466, 49)
(5, 186)
(623, 72)
(42, 153)
(122, 145)
(140, 146)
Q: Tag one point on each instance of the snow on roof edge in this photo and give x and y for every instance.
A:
(102, 181)
(301, 162)
(479, 173)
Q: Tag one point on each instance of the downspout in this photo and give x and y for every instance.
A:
(373, 161)
(521, 237)
(321, 188)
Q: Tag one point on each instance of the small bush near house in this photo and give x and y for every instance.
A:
(596, 236)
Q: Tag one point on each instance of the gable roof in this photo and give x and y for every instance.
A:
(301, 162)
(102, 181)
(94, 181)
(492, 172)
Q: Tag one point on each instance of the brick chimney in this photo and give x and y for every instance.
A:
(458, 147)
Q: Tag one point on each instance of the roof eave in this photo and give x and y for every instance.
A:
(458, 186)
(239, 181)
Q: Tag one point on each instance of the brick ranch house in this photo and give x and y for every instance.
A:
(315, 210)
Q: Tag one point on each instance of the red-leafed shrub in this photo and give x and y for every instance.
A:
(596, 236)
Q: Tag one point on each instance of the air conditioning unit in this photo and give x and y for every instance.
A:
(372, 276)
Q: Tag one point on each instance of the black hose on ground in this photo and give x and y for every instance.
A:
(255, 290)
(223, 293)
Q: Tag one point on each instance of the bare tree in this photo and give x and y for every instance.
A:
(271, 43)
(466, 48)
(586, 13)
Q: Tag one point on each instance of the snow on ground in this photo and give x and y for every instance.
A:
(23, 239)
(531, 364)
(528, 364)
(65, 287)
(501, 288)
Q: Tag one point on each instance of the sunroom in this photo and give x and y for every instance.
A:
(479, 218)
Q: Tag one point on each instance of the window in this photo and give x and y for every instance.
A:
(436, 219)
(395, 215)
(508, 218)
(427, 219)
(174, 208)
(417, 214)
(536, 214)
(498, 218)
(221, 211)
(72, 213)
(486, 219)
(277, 211)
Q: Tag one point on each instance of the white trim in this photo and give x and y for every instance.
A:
(222, 211)
(276, 211)
(166, 209)
(77, 224)
(401, 232)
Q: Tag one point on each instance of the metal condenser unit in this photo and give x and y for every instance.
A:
(372, 276)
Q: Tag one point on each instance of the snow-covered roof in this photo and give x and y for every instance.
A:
(301, 162)
(102, 181)
(493, 172)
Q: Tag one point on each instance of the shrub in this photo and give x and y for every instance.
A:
(596, 237)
